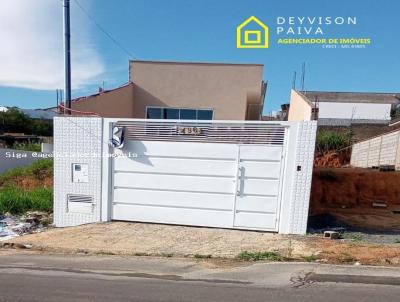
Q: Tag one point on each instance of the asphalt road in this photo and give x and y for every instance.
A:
(31, 277)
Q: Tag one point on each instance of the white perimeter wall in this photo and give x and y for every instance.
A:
(366, 111)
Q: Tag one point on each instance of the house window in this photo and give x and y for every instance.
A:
(204, 114)
(178, 113)
(187, 114)
(170, 114)
(154, 113)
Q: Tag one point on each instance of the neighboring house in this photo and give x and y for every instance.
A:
(280, 115)
(342, 108)
(176, 90)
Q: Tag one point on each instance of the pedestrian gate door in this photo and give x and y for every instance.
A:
(217, 175)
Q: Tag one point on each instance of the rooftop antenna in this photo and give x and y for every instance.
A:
(303, 75)
(67, 55)
(294, 80)
(263, 94)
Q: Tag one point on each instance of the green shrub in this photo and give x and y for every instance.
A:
(36, 147)
(332, 141)
(256, 256)
(16, 201)
(14, 120)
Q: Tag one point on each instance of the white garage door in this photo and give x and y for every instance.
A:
(196, 183)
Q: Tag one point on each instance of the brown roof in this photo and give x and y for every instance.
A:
(101, 92)
(352, 97)
(194, 63)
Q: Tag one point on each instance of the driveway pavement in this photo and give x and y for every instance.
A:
(134, 239)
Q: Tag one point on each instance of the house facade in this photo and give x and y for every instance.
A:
(176, 90)
(342, 108)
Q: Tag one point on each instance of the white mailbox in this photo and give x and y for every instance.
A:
(80, 173)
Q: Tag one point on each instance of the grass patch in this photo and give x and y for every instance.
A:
(39, 170)
(346, 257)
(397, 241)
(256, 256)
(200, 256)
(352, 236)
(332, 141)
(16, 201)
(310, 258)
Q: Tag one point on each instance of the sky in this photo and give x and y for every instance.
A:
(31, 48)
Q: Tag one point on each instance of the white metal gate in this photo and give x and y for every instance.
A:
(232, 174)
(190, 180)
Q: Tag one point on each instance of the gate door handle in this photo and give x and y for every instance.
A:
(240, 181)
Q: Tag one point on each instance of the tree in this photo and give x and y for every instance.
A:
(14, 120)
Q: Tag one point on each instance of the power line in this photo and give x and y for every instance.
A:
(127, 52)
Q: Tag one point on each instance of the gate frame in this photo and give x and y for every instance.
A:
(80, 134)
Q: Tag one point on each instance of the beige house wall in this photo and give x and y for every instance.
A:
(231, 90)
(114, 103)
(300, 109)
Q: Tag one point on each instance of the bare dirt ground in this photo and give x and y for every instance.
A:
(122, 238)
(360, 198)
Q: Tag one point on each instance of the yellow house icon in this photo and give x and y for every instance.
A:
(257, 38)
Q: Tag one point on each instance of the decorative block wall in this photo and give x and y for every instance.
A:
(377, 151)
(300, 198)
(77, 140)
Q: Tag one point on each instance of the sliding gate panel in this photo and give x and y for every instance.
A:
(176, 182)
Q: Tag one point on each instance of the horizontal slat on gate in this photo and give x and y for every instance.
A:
(257, 203)
(180, 149)
(260, 187)
(261, 169)
(175, 182)
(176, 166)
(174, 199)
(270, 153)
(255, 220)
(213, 132)
(173, 215)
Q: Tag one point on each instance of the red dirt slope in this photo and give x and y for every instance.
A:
(359, 197)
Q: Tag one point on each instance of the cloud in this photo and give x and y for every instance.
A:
(31, 46)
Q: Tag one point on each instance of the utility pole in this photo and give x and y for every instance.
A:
(67, 55)
(303, 75)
